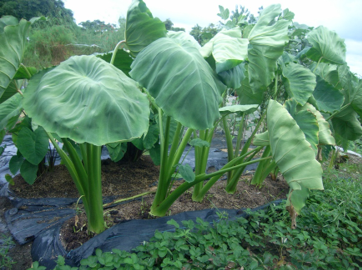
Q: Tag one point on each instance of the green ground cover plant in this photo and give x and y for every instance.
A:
(328, 236)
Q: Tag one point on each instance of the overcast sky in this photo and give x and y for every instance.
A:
(342, 16)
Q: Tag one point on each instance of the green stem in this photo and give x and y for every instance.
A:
(240, 136)
(275, 87)
(231, 187)
(95, 220)
(317, 63)
(166, 171)
(165, 205)
(83, 177)
(119, 44)
(71, 169)
(175, 141)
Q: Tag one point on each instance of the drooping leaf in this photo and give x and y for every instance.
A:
(327, 46)
(9, 179)
(155, 154)
(229, 49)
(2, 135)
(152, 136)
(88, 100)
(141, 28)
(291, 152)
(28, 172)
(347, 125)
(181, 81)
(33, 145)
(267, 40)
(232, 78)
(199, 142)
(122, 61)
(116, 150)
(352, 87)
(299, 82)
(306, 121)
(325, 133)
(328, 98)
(261, 139)
(15, 163)
(186, 172)
(12, 43)
(247, 109)
(10, 110)
(247, 95)
(328, 73)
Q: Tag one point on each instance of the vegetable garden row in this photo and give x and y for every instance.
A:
(159, 91)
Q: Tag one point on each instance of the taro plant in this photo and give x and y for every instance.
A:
(90, 102)
(186, 92)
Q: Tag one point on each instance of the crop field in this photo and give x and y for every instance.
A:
(280, 93)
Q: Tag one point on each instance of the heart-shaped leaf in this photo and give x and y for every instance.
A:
(28, 172)
(325, 133)
(33, 145)
(141, 28)
(88, 100)
(291, 152)
(299, 82)
(186, 172)
(267, 40)
(328, 98)
(181, 81)
(327, 46)
(12, 43)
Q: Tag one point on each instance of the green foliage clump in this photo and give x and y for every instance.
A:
(328, 236)
(5, 260)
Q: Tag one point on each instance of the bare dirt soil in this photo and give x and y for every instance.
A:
(126, 180)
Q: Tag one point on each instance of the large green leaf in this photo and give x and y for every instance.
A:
(306, 121)
(328, 98)
(10, 109)
(28, 171)
(88, 100)
(33, 145)
(267, 40)
(12, 44)
(291, 152)
(327, 46)
(347, 125)
(352, 88)
(181, 81)
(229, 49)
(325, 133)
(299, 82)
(141, 28)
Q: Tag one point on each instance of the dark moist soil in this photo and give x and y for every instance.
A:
(129, 179)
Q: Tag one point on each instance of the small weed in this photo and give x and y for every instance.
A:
(6, 261)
